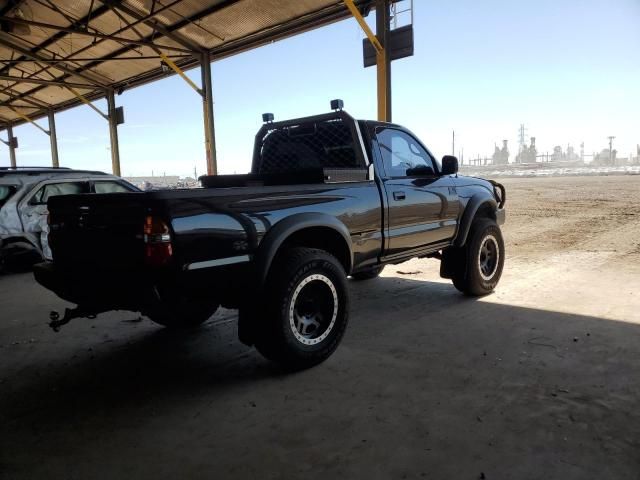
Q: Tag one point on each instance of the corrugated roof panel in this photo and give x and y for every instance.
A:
(179, 28)
(251, 16)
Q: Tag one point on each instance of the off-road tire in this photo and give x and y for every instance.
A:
(367, 274)
(317, 280)
(474, 276)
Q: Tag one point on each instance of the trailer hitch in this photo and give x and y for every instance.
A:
(69, 314)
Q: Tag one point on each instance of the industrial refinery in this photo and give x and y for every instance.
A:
(528, 155)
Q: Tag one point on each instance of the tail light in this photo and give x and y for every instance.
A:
(157, 239)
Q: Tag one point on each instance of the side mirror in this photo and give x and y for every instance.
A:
(449, 165)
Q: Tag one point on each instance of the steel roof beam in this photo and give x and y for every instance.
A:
(88, 59)
(59, 35)
(113, 55)
(30, 120)
(24, 51)
(327, 15)
(54, 38)
(9, 92)
(38, 109)
(157, 26)
(39, 81)
(307, 22)
(91, 34)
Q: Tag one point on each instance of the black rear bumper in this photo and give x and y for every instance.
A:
(140, 291)
(101, 291)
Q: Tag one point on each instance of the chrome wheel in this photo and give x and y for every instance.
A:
(313, 309)
(489, 257)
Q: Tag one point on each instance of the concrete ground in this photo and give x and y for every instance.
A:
(537, 381)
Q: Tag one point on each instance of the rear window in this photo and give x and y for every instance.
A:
(309, 146)
(110, 187)
(56, 189)
(6, 192)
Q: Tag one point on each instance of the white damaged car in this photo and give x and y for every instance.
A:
(24, 192)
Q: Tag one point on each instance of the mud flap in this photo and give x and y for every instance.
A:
(453, 262)
(246, 325)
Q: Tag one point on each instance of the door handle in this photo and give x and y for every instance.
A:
(399, 196)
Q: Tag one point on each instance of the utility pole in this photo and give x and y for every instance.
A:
(13, 143)
(53, 140)
(453, 142)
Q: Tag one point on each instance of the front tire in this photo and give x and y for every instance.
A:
(481, 268)
(307, 309)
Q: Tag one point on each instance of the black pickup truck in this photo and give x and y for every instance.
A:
(328, 197)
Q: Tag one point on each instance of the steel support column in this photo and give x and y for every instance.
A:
(207, 106)
(383, 60)
(12, 150)
(113, 133)
(53, 139)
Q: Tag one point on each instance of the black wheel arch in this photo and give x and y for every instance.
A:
(313, 230)
(479, 205)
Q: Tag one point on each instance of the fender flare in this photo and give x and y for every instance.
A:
(282, 230)
(473, 205)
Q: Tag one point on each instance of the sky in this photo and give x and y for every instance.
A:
(569, 70)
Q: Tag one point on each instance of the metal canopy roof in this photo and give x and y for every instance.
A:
(55, 54)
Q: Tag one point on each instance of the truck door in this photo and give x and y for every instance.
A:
(422, 204)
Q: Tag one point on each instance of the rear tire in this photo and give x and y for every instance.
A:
(306, 309)
(479, 271)
(367, 274)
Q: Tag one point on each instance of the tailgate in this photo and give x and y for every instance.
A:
(98, 230)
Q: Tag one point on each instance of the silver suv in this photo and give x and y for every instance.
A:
(24, 192)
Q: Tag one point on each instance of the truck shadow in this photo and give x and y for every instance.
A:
(399, 328)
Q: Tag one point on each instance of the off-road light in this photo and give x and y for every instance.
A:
(337, 104)
(267, 117)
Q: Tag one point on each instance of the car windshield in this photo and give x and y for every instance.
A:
(6, 192)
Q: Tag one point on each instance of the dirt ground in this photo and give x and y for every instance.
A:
(536, 381)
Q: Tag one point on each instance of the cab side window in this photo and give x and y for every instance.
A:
(402, 155)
